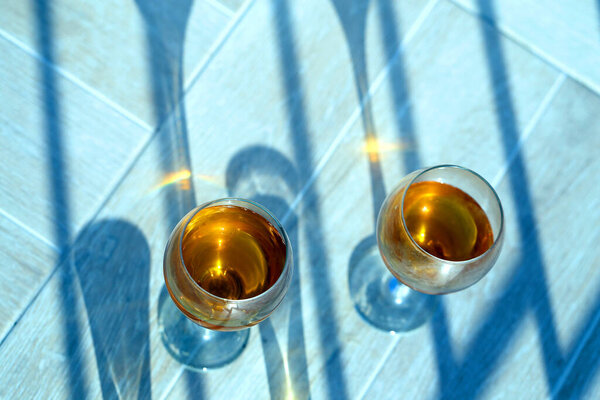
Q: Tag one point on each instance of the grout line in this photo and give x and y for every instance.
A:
(35, 234)
(68, 249)
(531, 48)
(358, 111)
(529, 128)
(202, 65)
(140, 151)
(567, 370)
(33, 298)
(382, 362)
(217, 45)
(171, 384)
(223, 9)
(78, 82)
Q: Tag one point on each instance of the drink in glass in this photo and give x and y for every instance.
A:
(227, 266)
(439, 231)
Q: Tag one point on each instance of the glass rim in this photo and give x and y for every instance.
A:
(490, 187)
(275, 222)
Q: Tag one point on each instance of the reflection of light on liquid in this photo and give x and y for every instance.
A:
(421, 235)
(374, 148)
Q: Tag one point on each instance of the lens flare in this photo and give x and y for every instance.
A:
(374, 148)
(183, 179)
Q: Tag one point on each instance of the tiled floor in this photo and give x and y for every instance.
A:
(106, 104)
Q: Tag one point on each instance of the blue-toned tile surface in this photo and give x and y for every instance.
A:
(25, 265)
(465, 133)
(278, 108)
(531, 328)
(94, 327)
(566, 33)
(128, 53)
(62, 149)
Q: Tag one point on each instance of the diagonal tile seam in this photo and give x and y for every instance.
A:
(75, 80)
(530, 47)
(217, 45)
(202, 65)
(377, 82)
(29, 230)
(529, 127)
(386, 355)
(61, 258)
(55, 251)
(562, 380)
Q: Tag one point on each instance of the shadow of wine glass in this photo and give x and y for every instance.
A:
(112, 259)
(301, 147)
(180, 338)
(390, 305)
(166, 26)
(266, 176)
(410, 309)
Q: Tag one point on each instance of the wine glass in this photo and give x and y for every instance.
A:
(227, 266)
(439, 231)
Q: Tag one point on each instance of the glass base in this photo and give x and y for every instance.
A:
(380, 298)
(193, 346)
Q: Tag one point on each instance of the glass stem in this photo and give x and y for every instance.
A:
(394, 289)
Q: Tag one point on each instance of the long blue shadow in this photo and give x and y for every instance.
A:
(112, 260)
(353, 19)
(165, 30)
(527, 287)
(113, 363)
(327, 326)
(265, 175)
(399, 83)
(60, 197)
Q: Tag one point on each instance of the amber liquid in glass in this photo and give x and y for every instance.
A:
(446, 222)
(233, 252)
